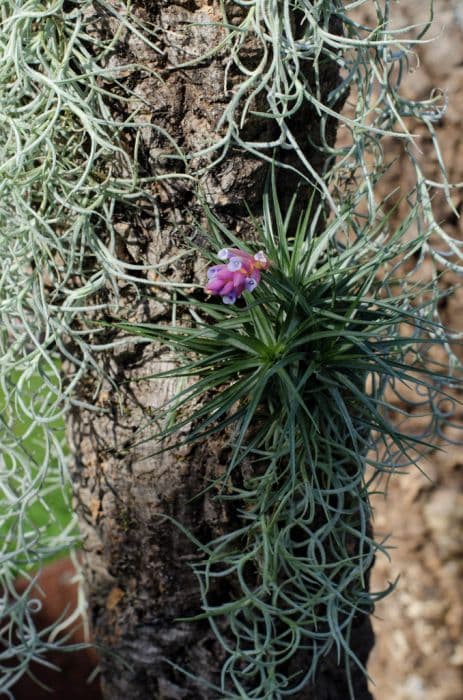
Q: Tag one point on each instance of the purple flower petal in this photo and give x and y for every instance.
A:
(250, 284)
(261, 257)
(227, 288)
(215, 286)
(212, 271)
(223, 254)
(235, 264)
(229, 298)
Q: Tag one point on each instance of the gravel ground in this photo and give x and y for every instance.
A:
(419, 628)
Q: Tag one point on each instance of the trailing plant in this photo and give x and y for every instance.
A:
(63, 171)
(299, 372)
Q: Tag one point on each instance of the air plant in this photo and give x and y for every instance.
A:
(300, 381)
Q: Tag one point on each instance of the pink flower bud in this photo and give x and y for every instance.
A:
(240, 273)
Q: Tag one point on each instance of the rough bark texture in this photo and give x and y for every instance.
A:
(137, 562)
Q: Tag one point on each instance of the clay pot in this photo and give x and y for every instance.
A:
(56, 589)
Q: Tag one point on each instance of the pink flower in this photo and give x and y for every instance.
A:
(241, 272)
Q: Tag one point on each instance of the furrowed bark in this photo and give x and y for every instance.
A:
(136, 560)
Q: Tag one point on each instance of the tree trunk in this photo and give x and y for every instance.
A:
(136, 561)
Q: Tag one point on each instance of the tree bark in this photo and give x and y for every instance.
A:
(136, 561)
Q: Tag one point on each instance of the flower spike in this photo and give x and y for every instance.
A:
(241, 273)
